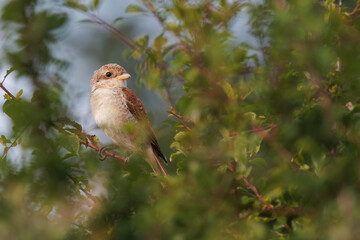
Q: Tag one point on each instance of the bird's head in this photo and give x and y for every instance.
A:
(110, 75)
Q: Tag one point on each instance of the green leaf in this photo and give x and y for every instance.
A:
(134, 8)
(7, 96)
(21, 112)
(136, 54)
(143, 41)
(70, 142)
(175, 155)
(159, 42)
(116, 20)
(67, 121)
(95, 3)
(12, 11)
(10, 70)
(18, 95)
(229, 90)
(75, 4)
(83, 180)
(180, 136)
(45, 209)
(259, 161)
(178, 147)
(69, 155)
(4, 140)
(95, 140)
(248, 171)
(86, 21)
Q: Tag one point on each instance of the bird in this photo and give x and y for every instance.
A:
(114, 105)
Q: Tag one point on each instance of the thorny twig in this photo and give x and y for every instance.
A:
(253, 188)
(181, 118)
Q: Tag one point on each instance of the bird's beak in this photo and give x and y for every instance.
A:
(123, 76)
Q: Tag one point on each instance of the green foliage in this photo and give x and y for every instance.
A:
(266, 133)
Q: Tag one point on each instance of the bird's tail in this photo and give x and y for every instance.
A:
(154, 161)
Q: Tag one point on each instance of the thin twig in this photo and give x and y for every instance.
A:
(181, 118)
(20, 132)
(81, 141)
(355, 9)
(106, 152)
(181, 43)
(256, 129)
(132, 45)
(12, 144)
(86, 230)
(125, 39)
(92, 197)
(2, 84)
(253, 188)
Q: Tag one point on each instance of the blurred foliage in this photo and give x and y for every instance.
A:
(267, 131)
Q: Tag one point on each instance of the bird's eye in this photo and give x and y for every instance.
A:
(108, 74)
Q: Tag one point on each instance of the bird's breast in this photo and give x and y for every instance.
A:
(110, 112)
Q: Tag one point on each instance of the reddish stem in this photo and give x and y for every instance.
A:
(253, 188)
(106, 152)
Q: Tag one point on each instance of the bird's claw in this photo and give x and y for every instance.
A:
(102, 154)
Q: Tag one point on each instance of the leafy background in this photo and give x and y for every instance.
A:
(262, 127)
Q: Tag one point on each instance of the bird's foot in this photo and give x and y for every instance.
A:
(102, 151)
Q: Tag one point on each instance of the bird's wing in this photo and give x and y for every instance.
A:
(137, 109)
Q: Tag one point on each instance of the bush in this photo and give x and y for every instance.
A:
(264, 134)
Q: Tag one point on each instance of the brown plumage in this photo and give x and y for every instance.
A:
(113, 104)
(137, 109)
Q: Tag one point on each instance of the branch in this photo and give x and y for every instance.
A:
(181, 43)
(181, 118)
(122, 37)
(92, 197)
(253, 188)
(2, 83)
(84, 138)
(132, 45)
(269, 139)
(13, 144)
(256, 129)
(355, 10)
(87, 143)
